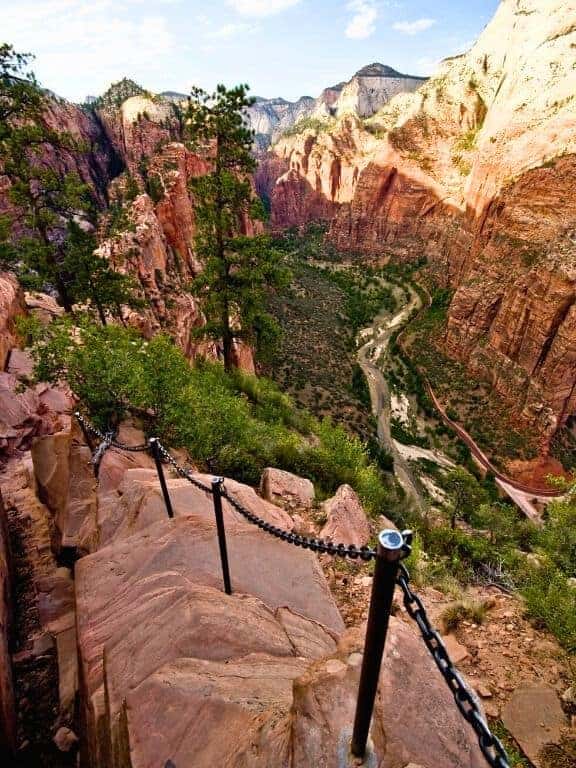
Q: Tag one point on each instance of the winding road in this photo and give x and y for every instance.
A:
(378, 338)
(378, 335)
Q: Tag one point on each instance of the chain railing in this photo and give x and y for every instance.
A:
(389, 571)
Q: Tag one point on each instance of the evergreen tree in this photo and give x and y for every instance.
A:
(92, 280)
(46, 244)
(237, 269)
(43, 199)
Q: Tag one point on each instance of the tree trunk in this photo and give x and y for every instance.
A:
(227, 335)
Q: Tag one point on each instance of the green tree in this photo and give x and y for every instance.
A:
(237, 269)
(92, 280)
(464, 493)
(42, 197)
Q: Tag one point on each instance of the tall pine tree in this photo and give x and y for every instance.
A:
(237, 269)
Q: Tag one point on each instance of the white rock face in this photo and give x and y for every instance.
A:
(135, 107)
(363, 95)
(371, 88)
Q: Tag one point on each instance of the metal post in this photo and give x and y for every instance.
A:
(217, 495)
(390, 552)
(85, 432)
(155, 450)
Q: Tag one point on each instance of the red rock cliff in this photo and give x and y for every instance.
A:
(475, 171)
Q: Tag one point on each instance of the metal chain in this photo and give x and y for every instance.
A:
(106, 438)
(316, 545)
(182, 471)
(490, 745)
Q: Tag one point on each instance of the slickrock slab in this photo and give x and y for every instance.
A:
(205, 714)
(138, 503)
(346, 519)
(535, 718)
(286, 489)
(156, 597)
(261, 711)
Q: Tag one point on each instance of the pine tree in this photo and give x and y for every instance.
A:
(42, 197)
(92, 280)
(237, 269)
(46, 245)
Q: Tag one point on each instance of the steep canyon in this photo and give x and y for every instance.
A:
(474, 171)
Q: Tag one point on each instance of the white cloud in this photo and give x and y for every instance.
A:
(413, 27)
(228, 31)
(261, 7)
(96, 41)
(362, 23)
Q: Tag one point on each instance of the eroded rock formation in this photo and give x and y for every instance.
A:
(363, 95)
(474, 170)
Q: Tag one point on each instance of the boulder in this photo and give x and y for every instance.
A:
(155, 599)
(11, 305)
(115, 463)
(22, 417)
(7, 705)
(286, 489)
(534, 717)
(346, 519)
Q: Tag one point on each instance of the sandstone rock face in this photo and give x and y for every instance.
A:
(535, 718)
(11, 305)
(137, 127)
(7, 708)
(472, 171)
(346, 519)
(286, 489)
(363, 95)
(66, 482)
(323, 169)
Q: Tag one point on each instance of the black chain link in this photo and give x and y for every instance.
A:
(105, 438)
(490, 745)
(316, 545)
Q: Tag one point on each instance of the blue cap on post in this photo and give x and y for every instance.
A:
(390, 544)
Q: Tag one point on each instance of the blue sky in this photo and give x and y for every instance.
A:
(280, 47)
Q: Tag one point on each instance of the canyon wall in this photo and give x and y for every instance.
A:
(137, 139)
(475, 171)
(363, 95)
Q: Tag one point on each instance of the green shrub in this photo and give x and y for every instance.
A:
(463, 610)
(551, 602)
(235, 423)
